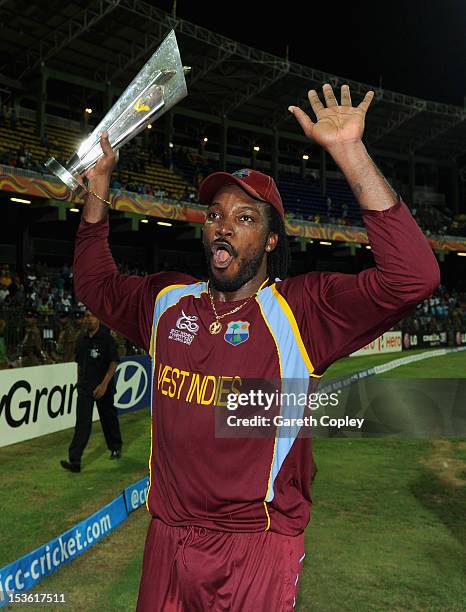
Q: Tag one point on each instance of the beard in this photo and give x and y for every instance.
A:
(247, 271)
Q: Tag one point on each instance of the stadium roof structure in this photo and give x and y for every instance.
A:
(101, 44)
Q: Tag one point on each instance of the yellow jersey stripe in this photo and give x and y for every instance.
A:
(269, 482)
(152, 354)
(294, 326)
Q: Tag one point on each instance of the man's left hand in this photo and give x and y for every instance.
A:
(100, 391)
(337, 124)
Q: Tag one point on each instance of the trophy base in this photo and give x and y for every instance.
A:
(62, 173)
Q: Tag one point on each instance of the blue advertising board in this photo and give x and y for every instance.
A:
(136, 494)
(22, 574)
(132, 379)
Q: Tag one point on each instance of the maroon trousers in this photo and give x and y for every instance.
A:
(193, 569)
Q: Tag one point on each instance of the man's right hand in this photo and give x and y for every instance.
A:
(100, 174)
(99, 182)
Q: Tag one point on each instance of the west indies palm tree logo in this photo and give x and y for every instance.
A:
(237, 332)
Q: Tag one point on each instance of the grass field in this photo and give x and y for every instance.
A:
(388, 530)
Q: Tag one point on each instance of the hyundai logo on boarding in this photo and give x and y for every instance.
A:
(131, 384)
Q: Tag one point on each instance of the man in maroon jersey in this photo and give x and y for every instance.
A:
(229, 514)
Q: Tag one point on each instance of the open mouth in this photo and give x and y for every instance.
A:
(222, 254)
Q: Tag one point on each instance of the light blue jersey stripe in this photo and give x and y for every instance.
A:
(166, 300)
(295, 378)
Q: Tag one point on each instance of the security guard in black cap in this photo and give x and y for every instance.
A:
(97, 357)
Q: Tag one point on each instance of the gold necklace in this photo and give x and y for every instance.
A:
(216, 326)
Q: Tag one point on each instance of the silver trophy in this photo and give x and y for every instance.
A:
(158, 86)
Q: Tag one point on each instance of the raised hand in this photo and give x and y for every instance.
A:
(98, 185)
(102, 170)
(337, 124)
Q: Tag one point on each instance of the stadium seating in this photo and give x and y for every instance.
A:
(141, 171)
(301, 196)
(63, 142)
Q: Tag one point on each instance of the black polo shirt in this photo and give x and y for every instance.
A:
(94, 356)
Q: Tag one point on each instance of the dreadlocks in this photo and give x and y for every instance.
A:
(278, 260)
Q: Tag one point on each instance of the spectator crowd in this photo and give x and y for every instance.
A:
(444, 311)
(193, 167)
(40, 318)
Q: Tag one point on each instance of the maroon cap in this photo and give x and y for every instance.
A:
(256, 184)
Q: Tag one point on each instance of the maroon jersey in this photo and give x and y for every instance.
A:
(296, 326)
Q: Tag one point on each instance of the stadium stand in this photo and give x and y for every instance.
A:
(48, 292)
(145, 169)
(21, 147)
(45, 291)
